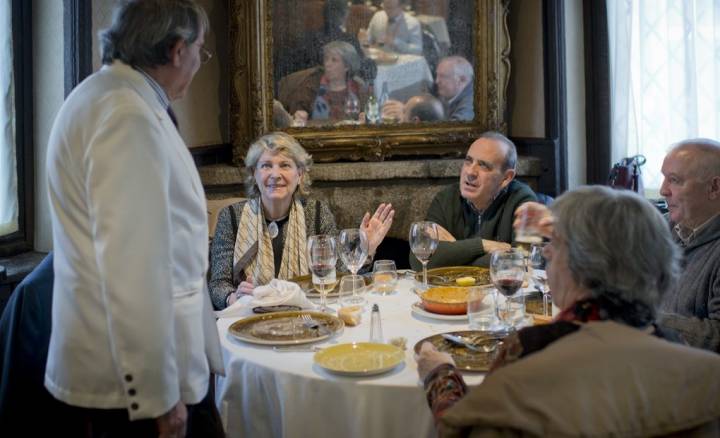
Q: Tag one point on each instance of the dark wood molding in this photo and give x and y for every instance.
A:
(22, 240)
(546, 150)
(77, 18)
(597, 91)
(555, 90)
(212, 154)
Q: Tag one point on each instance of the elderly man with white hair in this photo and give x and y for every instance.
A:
(692, 190)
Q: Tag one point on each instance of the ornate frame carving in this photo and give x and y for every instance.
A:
(250, 33)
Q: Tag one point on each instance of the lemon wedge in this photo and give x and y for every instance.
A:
(465, 281)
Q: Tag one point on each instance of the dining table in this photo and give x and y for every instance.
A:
(404, 75)
(270, 393)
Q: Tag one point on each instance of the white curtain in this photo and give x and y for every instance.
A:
(664, 77)
(8, 174)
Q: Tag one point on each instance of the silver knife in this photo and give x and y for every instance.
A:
(484, 348)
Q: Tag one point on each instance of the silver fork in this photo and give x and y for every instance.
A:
(309, 322)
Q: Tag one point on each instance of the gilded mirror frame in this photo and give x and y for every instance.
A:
(250, 34)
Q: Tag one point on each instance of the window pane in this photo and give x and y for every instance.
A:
(8, 168)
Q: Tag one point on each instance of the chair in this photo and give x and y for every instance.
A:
(25, 328)
(359, 17)
(544, 199)
(431, 50)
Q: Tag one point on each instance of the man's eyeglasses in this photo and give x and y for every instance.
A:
(205, 55)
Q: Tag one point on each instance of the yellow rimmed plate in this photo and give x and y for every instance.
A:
(359, 358)
(465, 359)
(286, 328)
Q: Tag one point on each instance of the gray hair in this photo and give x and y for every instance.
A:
(461, 66)
(619, 247)
(707, 161)
(348, 54)
(143, 32)
(511, 153)
(277, 143)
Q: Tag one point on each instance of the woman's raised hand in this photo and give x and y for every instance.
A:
(377, 225)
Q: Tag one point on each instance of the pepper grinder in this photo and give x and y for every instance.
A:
(376, 334)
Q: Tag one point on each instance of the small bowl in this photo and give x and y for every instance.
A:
(447, 300)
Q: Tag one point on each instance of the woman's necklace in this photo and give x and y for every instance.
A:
(273, 228)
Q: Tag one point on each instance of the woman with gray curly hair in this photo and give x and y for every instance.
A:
(595, 370)
(265, 237)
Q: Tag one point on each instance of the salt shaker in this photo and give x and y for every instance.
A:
(376, 335)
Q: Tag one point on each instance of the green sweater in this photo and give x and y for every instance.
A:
(456, 215)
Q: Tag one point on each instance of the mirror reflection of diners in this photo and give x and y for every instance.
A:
(384, 62)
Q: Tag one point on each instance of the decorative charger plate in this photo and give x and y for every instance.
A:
(446, 276)
(360, 358)
(305, 283)
(417, 308)
(286, 328)
(465, 359)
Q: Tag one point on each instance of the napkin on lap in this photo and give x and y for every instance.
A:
(275, 293)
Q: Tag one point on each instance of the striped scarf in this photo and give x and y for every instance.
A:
(252, 230)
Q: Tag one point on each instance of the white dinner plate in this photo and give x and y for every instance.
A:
(418, 310)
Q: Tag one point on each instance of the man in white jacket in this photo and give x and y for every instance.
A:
(133, 339)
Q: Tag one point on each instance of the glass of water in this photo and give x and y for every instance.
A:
(384, 276)
(482, 308)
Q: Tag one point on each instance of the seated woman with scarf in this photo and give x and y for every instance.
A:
(322, 93)
(602, 367)
(265, 237)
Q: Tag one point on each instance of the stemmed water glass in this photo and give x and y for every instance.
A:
(353, 249)
(423, 242)
(536, 266)
(507, 271)
(322, 256)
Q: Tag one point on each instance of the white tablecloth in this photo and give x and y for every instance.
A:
(268, 393)
(406, 77)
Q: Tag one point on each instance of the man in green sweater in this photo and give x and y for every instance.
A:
(475, 216)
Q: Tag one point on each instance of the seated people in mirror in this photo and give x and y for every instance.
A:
(330, 92)
(454, 80)
(265, 236)
(423, 108)
(475, 216)
(395, 30)
(602, 353)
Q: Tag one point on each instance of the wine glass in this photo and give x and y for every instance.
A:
(352, 107)
(423, 242)
(536, 265)
(507, 271)
(353, 249)
(322, 257)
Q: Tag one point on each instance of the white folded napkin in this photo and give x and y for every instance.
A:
(275, 293)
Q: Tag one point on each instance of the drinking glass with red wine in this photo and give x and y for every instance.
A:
(507, 271)
(322, 256)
